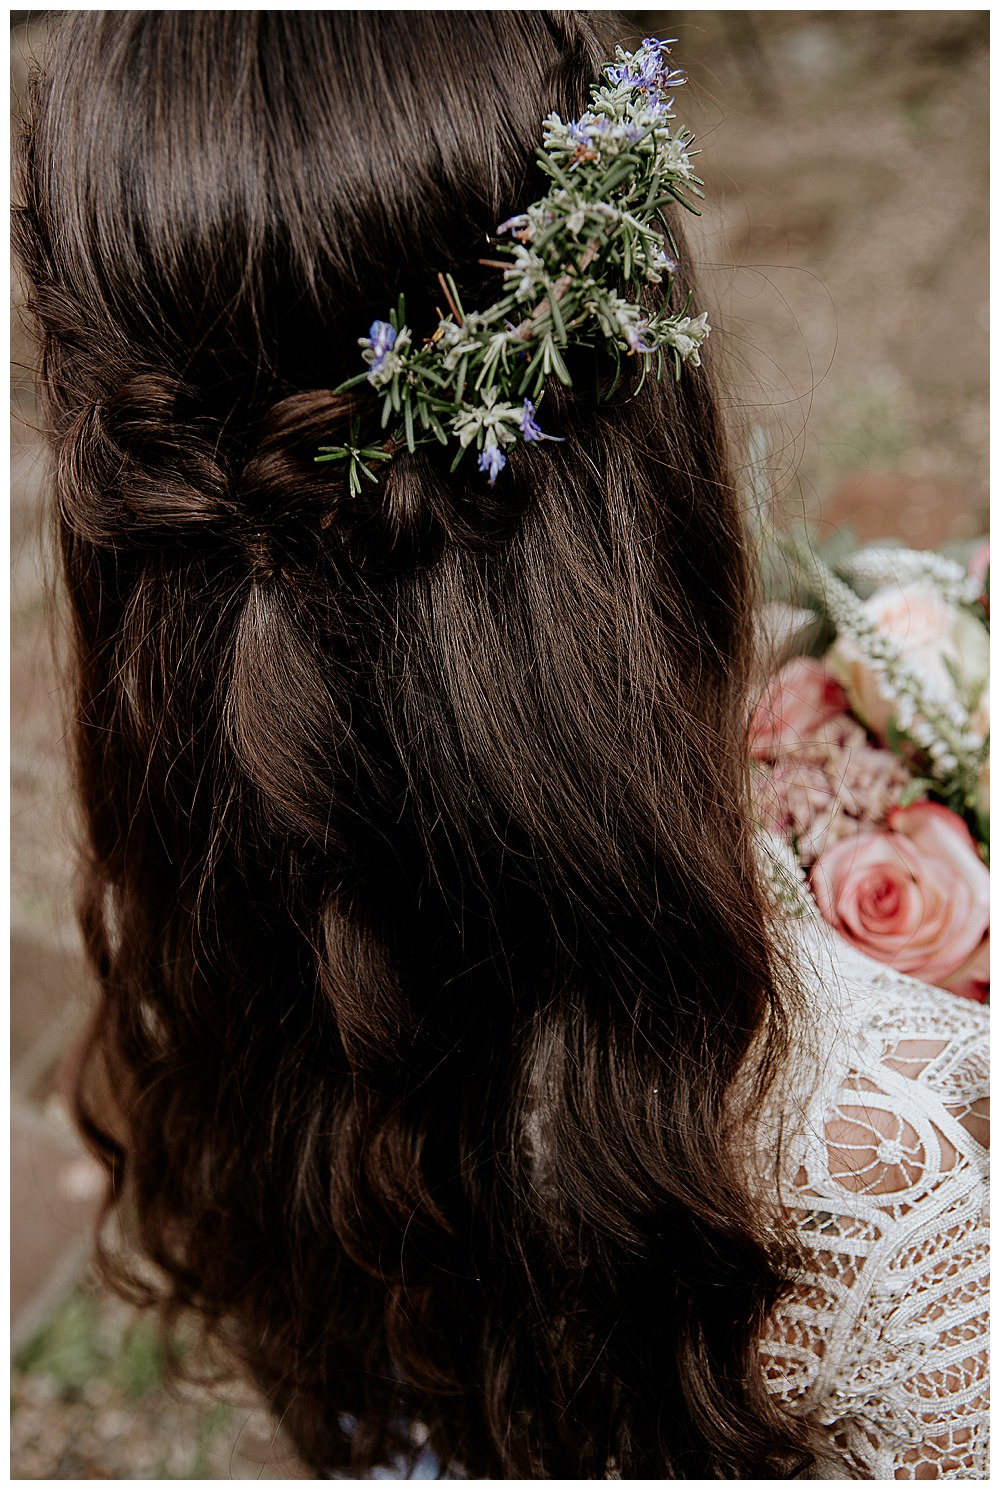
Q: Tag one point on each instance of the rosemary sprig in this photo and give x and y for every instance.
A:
(573, 271)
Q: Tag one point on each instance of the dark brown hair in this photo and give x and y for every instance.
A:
(418, 880)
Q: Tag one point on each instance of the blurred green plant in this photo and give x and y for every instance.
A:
(84, 1343)
(872, 431)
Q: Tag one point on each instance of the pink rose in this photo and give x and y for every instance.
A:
(972, 979)
(979, 568)
(980, 562)
(797, 702)
(915, 896)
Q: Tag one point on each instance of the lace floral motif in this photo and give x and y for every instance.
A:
(883, 1339)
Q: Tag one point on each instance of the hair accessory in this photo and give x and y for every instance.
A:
(572, 276)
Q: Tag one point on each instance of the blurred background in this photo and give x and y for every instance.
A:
(844, 253)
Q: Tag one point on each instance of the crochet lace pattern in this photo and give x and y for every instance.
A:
(882, 1342)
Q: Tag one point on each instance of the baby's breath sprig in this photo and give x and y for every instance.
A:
(572, 274)
(873, 567)
(784, 876)
(939, 727)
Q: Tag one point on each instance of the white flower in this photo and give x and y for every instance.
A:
(528, 270)
(497, 422)
(686, 335)
(449, 334)
(455, 342)
(784, 875)
(672, 156)
(576, 219)
(620, 319)
(659, 264)
(556, 135)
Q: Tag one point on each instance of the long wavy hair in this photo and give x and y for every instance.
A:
(418, 880)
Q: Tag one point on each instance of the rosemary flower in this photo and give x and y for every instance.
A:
(382, 349)
(529, 429)
(687, 334)
(492, 460)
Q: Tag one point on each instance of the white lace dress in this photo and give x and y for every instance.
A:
(884, 1339)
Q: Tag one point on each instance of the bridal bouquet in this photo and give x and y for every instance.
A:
(871, 761)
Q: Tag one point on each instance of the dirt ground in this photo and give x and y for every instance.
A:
(845, 238)
(844, 258)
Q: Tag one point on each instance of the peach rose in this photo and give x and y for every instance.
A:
(934, 638)
(797, 702)
(915, 896)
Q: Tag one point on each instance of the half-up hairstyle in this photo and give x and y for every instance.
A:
(418, 881)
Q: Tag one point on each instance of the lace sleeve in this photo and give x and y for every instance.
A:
(882, 1342)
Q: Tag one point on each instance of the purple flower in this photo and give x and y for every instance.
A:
(649, 63)
(665, 262)
(382, 337)
(624, 129)
(634, 337)
(648, 68)
(660, 51)
(492, 460)
(529, 429)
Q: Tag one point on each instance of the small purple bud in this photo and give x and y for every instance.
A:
(634, 337)
(529, 429)
(382, 337)
(493, 461)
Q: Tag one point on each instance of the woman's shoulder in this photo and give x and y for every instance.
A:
(882, 1338)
